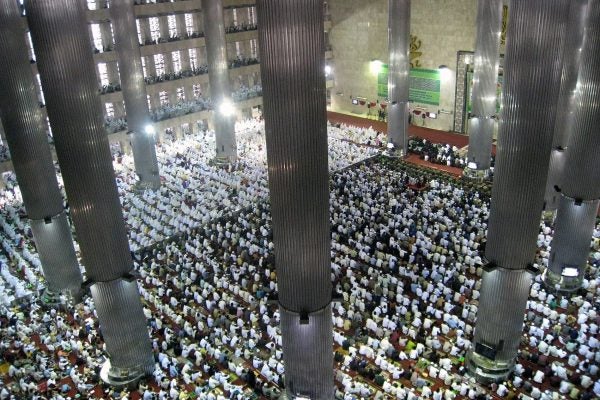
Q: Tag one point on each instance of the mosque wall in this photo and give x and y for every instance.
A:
(359, 36)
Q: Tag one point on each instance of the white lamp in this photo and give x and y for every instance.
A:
(149, 129)
(375, 66)
(227, 108)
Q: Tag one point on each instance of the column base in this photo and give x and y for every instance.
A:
(119, 377)
(478, 175)
(563, 284)
(50, 298)
(285, 396)
(224, 160)
(548, 216)
(393, 153)
(486, 370)
(142, 186)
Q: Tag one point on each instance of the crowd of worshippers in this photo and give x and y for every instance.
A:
(436, 153)
(241, 28)
(443, 154)
(4, 153)
(194, 192)
(172, 76)
(406, 264)
(364, 136)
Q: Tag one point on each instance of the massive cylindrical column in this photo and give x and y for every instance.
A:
(485, 79)
(218, 76)
(293, 77)
(532, 72)
(566, 98)
(580, 179)
(59, 32)
(31, 157)
(573, 229)
(134, 93)
(399, 73)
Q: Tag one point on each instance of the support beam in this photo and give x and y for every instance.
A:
(580, 179)
(532, 71)
(31, 157)
(485, 79)
(399, 74)
(133, 86)
(218, 76)
(293, 76)
(59, 33)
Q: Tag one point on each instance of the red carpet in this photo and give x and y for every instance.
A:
(415, 159)
(434, 136)
(339, 118)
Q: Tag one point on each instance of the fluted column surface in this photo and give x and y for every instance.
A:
(502, 306)
(581, 178)
(134, 91)
(31, 157)
(126, 338)
(566, 99)
(296, 129)
(54, 244)
(580, 181)
(573, 231)
(218, 76)
(532, 73)
(485, 78)
(294, 101)
(555, 168)
(23, 120)
(398, 71)
(303, 373)
(59, 32)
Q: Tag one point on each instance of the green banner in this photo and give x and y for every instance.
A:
(382, 82)
(425, 85)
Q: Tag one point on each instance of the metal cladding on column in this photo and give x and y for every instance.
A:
(532, 71)
(580, 179)
(31, 157)
(307, 354)
(54, 242)
(218, 76)
(506, 289)
(128, 336)
(294, 101)
(485, 78)
(566, 104)
(573, 230)
(399, 71)
(59, 33)
(134, 92)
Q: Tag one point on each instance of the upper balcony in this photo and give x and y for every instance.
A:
(170, 82)
(153, 9)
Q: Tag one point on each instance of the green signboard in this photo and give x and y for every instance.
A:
(425, 85)
(382, 82)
